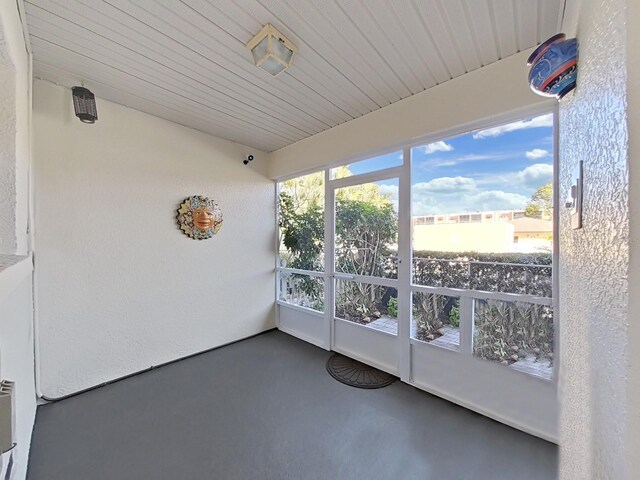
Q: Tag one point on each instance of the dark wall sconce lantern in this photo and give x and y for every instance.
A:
(84, 103)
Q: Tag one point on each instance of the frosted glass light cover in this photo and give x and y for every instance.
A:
(281, 51)
(272, 66)
(260, 50)
(271, 50)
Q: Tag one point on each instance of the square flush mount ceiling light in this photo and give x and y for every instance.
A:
(271, 50)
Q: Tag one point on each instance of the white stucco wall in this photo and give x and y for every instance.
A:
(633, 102)
(119, 287)
(594, 261)
(16, 329)
(15, 85)
(16, 356)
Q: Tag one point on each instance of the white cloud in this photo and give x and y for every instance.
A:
(537, 153)
(525, 180)
(445, 195)
(499, 200)
(445, 163)
(429, 203)
(461, 194)
(469, 157)
(536, 175)
(437, 147)
(389, 190)
(446, 184)
(543, 121)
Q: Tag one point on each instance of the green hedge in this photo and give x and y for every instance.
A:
(523, 273)
(538, 258)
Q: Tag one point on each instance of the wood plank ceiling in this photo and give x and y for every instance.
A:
(186, 60)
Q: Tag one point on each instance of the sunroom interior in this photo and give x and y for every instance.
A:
(258, 188)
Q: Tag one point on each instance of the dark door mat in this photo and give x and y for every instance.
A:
(357, 374)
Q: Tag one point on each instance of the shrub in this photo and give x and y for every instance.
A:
(454, 315)
(504, 330)
(392, 307)
(524, 273)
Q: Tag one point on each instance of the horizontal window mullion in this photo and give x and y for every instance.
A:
(479, 262)
(365, 327)
(293, 306)
(483, 295)
(298, 271)
(383, 282)
(505, 264)
(379, 175)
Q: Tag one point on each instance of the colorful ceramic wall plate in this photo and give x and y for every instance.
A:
(199, 217)
(554, 66)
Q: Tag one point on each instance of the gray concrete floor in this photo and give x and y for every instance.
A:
(265, 408)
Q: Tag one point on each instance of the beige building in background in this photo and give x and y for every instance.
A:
(532, 234)
(491, 231)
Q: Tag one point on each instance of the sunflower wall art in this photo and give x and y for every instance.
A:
(199, 217)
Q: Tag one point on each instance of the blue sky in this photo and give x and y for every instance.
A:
(492, 169)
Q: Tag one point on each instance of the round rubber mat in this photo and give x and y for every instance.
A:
(357, 374)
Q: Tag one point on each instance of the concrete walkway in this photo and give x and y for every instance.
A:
(450, 339)
(385, 324)
(540, 368)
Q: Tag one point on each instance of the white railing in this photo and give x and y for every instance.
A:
(295, 289)
(483, 294)
(289, 287)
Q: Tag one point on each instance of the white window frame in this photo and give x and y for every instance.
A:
(407, 346)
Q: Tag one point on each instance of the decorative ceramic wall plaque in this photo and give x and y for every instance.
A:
(199, 217)
(554, 66)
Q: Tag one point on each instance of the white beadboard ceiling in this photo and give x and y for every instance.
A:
(186, 61)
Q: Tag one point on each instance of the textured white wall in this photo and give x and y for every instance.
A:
(119, 287)
(594, 290)
(16, 337)
(8, 240)
(16, 359)
(633, 101)
(15, 85)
